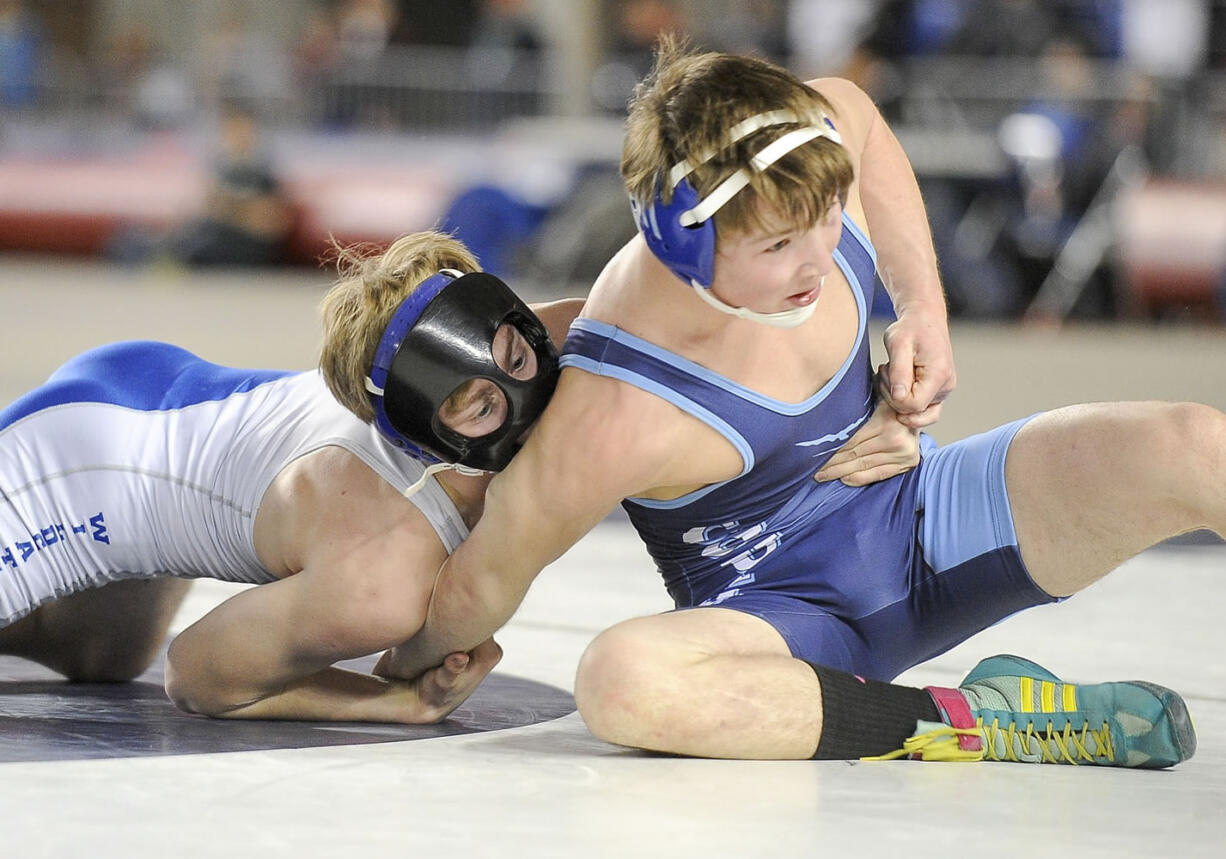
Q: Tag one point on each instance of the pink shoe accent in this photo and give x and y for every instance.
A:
(956, 713)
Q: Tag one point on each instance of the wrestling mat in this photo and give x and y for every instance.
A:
(43, 718)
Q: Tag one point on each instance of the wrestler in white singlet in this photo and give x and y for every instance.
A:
(140, 459)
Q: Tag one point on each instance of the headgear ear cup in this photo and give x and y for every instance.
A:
(689, 252)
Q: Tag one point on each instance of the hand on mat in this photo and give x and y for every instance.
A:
(920, 372)
(443, 688)
(882, 448)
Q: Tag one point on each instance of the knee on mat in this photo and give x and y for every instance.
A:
(615, 689)
(105, 662)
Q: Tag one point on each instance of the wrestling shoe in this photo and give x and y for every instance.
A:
(1010, 709)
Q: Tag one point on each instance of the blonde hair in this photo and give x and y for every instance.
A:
(684, 109)
(370, 287)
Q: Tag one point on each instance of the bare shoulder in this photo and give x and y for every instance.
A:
(604, 439)
(329, 507)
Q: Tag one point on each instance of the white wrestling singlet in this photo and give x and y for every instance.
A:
(140, 459)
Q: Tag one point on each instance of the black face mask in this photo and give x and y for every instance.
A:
(440, 338)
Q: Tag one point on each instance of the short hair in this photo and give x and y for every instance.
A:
(357, 309)
(684, 109)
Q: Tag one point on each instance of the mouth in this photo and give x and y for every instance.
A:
(801, 299)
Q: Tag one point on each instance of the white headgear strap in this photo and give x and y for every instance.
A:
(780, 319)
(739, 132)
(729, 188)
(436, 467)
(726, 190)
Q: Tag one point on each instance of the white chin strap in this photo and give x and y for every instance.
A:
(435, 469)
(781, 319)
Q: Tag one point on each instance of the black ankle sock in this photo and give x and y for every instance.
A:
(867, 717)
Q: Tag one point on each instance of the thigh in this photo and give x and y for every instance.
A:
(695, 634)
(1091, 486)
(111, 633)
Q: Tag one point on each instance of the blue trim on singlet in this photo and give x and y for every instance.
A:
(138, 374)
(651, 350)
(861, 237)
(603, 329)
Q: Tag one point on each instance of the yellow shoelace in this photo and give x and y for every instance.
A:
(1068, 745)
(1054, 746)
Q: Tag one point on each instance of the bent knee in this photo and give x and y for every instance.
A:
(1190, 438)
(1202, 427)
(618, 688)
(105, 664)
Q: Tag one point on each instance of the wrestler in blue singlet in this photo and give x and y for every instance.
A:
(869, 579)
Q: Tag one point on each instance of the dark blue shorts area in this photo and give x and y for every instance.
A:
(885, 604)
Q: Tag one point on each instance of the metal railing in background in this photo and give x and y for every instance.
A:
(436, 88)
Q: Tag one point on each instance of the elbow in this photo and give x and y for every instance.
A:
(191, 687)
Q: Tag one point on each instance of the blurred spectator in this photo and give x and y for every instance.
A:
(754, 27)
(20, 55)
(364, 28)
(1217, 36)
(1166, 38)
(1004, 27)
(317, 51)
(142, 84)
(246, 218)
(637, 25)
(237, 60)
(505, 46)
(823, 35)
(899, 29)
(506, 24)
(435, 22)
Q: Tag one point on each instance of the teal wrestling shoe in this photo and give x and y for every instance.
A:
(1010, 709)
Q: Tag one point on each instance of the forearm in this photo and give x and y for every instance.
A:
(332, 694)
(246, 659)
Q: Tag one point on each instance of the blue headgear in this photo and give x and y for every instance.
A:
(680, 232)
(440, 338)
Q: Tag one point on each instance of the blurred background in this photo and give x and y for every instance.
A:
(1072, 153)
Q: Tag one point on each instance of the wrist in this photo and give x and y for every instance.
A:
(921, 307)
